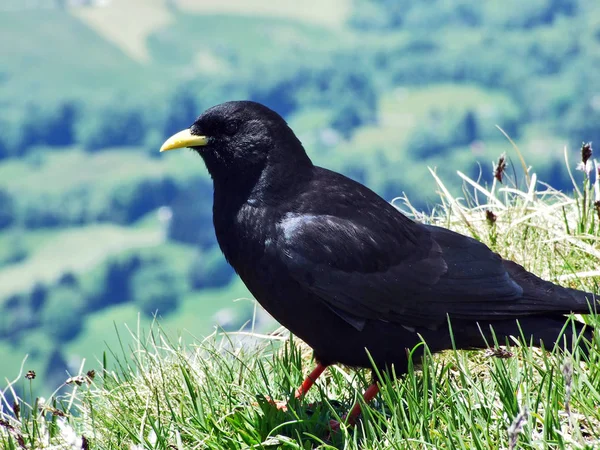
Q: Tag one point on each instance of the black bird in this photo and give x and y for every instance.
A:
(347, 272)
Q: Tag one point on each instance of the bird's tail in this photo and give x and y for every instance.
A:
(541, 297)
(538, 331)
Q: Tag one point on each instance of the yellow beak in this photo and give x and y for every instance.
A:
(183, 139)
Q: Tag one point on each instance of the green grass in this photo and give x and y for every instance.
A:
(157, 390)
(163, 394)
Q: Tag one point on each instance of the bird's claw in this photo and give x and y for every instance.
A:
(335, 426)
(281, 405)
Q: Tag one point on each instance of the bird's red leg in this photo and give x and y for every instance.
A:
(369, 395)
(351, 417)
(303, 389)
(310, 380)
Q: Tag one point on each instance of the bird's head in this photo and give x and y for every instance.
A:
(239, 140)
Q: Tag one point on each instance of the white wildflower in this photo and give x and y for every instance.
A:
(152, 438)
(69, 435)
(43, 432)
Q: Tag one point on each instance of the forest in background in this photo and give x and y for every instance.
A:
(96, 225)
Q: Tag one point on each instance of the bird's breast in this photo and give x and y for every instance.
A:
(243, 235)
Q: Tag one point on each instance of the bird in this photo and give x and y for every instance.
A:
(343, 269)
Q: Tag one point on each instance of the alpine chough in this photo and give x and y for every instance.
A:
(344, 270)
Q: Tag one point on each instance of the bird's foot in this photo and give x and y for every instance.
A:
(335, 426)
(281, 405)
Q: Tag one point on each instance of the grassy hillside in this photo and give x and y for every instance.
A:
(117, 25)
(155, 390)
(63, 249)
(59, 56)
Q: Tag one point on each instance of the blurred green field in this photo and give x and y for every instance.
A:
(332, 13)
(86, 55)
(75, 251)
(249, 38)
(403, 110)
(55, 55)
(75, 169)
(117, 24)
(196, 317)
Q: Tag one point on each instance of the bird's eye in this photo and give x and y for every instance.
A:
(231, 127)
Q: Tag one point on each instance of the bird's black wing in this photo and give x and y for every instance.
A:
(362, 273)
